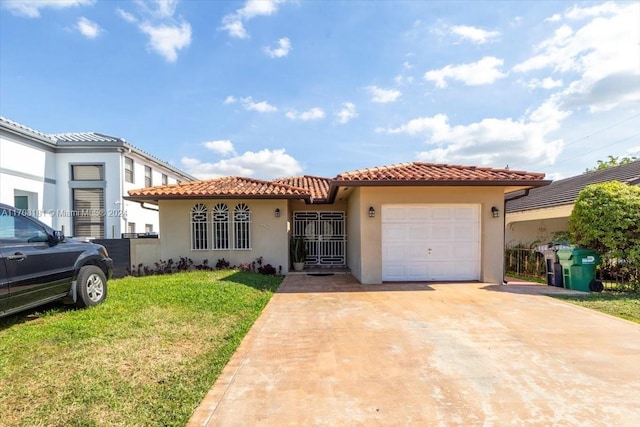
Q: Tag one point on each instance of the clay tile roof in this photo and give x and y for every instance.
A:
(231, 186)
(429, 172)
(317, 186)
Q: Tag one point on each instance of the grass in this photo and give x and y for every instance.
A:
(621, 304)
(145, 357)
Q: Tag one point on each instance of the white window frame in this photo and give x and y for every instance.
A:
(220, 221)
(199, 228)
(241, 227)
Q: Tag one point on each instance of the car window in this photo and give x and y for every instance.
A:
(18, 229)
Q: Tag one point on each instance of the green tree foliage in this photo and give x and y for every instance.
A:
(611, 162)
(606, 218)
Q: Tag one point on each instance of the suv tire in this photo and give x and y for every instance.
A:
(91, 286)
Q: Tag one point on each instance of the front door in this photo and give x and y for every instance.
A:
(325, 236)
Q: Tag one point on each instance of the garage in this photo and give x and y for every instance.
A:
(430, 242)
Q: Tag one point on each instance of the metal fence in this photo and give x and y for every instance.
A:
(531, 263)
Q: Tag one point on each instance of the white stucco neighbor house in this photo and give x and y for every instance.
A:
(534, 217)
(75, 182)
(403, 222)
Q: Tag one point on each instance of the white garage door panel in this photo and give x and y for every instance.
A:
(430, 242)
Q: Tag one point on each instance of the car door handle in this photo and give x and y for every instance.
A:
(17, 257)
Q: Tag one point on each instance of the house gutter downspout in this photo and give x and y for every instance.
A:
(504, 230)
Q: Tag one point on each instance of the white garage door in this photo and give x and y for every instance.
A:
(430, 242)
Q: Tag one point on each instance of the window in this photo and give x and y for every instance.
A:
(131, 227)
(165, 180)
(128, 170)
(86, 173)
(199, 228)
(21, 202)
(88, 212)
(241, 227)
(220, 226)
(147, 176)
(17, 229)
(148, 228)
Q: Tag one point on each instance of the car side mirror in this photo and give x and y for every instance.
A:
(58, 236)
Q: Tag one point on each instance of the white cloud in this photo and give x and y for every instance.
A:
(221, 146)
(88, 28)
(129, 17)
(347, 113)
(168, 39)
(485, 71)
(546, 83)
(383, 96)
(167, 34)
(491, 141)
(475, 35)
(262, 107)
(233, 23)
(407, 65)
(263, 164)
(554, 18)
(603, 53)
(32, 8)
(230, 100)
(313, 114)
(284, 46)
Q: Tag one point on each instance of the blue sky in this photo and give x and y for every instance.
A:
(269, 89)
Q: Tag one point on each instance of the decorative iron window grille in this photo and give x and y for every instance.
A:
(241, 227)
(220, 218)
(199, 228)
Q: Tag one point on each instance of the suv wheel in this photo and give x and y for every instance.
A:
(91, 286)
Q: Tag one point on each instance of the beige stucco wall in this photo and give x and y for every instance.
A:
(269, 238)
(537, 225)
(365, 253)
(144, 251)
(355, 219)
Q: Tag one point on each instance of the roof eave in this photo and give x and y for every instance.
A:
(523, 184)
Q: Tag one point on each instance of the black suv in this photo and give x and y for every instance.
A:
(39, 265)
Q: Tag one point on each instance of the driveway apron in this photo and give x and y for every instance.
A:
(327, 351)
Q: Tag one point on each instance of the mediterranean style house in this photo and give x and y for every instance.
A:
(403, 222)
(75, 182)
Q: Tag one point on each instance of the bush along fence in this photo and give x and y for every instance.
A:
(529, 263)
(186, 264)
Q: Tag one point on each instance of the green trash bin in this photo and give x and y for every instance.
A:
(579, 269)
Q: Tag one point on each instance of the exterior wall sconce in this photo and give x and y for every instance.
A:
(495, 212)
(276, 213)
(372, 212)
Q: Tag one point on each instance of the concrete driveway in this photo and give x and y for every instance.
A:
(327, 351)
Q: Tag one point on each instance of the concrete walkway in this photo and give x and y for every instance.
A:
(327, 351)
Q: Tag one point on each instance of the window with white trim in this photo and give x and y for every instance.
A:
(220, 217)
(241, 227)
(199, 228)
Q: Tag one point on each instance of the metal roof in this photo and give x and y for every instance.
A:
(565, 191)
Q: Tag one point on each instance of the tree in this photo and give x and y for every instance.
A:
(613, 161)
(606, 218)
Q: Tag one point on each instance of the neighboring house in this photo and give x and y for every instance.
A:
(534, 218)
(404, 222)
(75, 182)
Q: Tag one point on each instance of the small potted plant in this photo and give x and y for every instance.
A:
(298, 253)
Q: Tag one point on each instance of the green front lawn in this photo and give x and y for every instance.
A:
(146, 357)
(620, 304)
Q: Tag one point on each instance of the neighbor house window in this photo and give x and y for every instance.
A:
(148, 228)
(220, 226)
(165, 179)
(199, 228)
(128, 170)
(147, 176)
(241, 227)
(88, 212)
(86, 173)
(131, 227)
